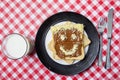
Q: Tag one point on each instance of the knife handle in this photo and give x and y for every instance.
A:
(108, 63)
(100, 53)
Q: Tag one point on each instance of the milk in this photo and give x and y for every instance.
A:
(16, 46)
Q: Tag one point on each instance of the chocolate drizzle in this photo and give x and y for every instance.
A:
(68, 39)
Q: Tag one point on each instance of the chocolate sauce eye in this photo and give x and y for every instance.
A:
(63, 37)
(73, 36)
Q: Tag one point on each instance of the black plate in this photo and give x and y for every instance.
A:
(73, 68)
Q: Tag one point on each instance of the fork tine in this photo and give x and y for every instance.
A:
(99, 23)
(105, 22)
(105, 19)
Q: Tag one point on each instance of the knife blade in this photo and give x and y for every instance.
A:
(109, 34)
(110, 20)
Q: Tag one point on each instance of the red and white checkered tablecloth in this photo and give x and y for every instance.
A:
(26, 16)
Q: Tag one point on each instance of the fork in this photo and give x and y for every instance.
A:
(101, 27)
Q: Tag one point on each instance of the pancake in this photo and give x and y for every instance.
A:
(68, 41)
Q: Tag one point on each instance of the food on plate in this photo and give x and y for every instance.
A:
(68, 41)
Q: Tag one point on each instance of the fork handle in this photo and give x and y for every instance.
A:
(108, 63)
(100, 52)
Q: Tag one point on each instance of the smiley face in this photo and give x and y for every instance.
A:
(68, 43)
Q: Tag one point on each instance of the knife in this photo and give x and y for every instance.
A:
(109, 34)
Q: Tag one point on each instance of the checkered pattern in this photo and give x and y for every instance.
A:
(26, 16)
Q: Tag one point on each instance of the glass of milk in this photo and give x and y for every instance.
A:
(16, 46)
